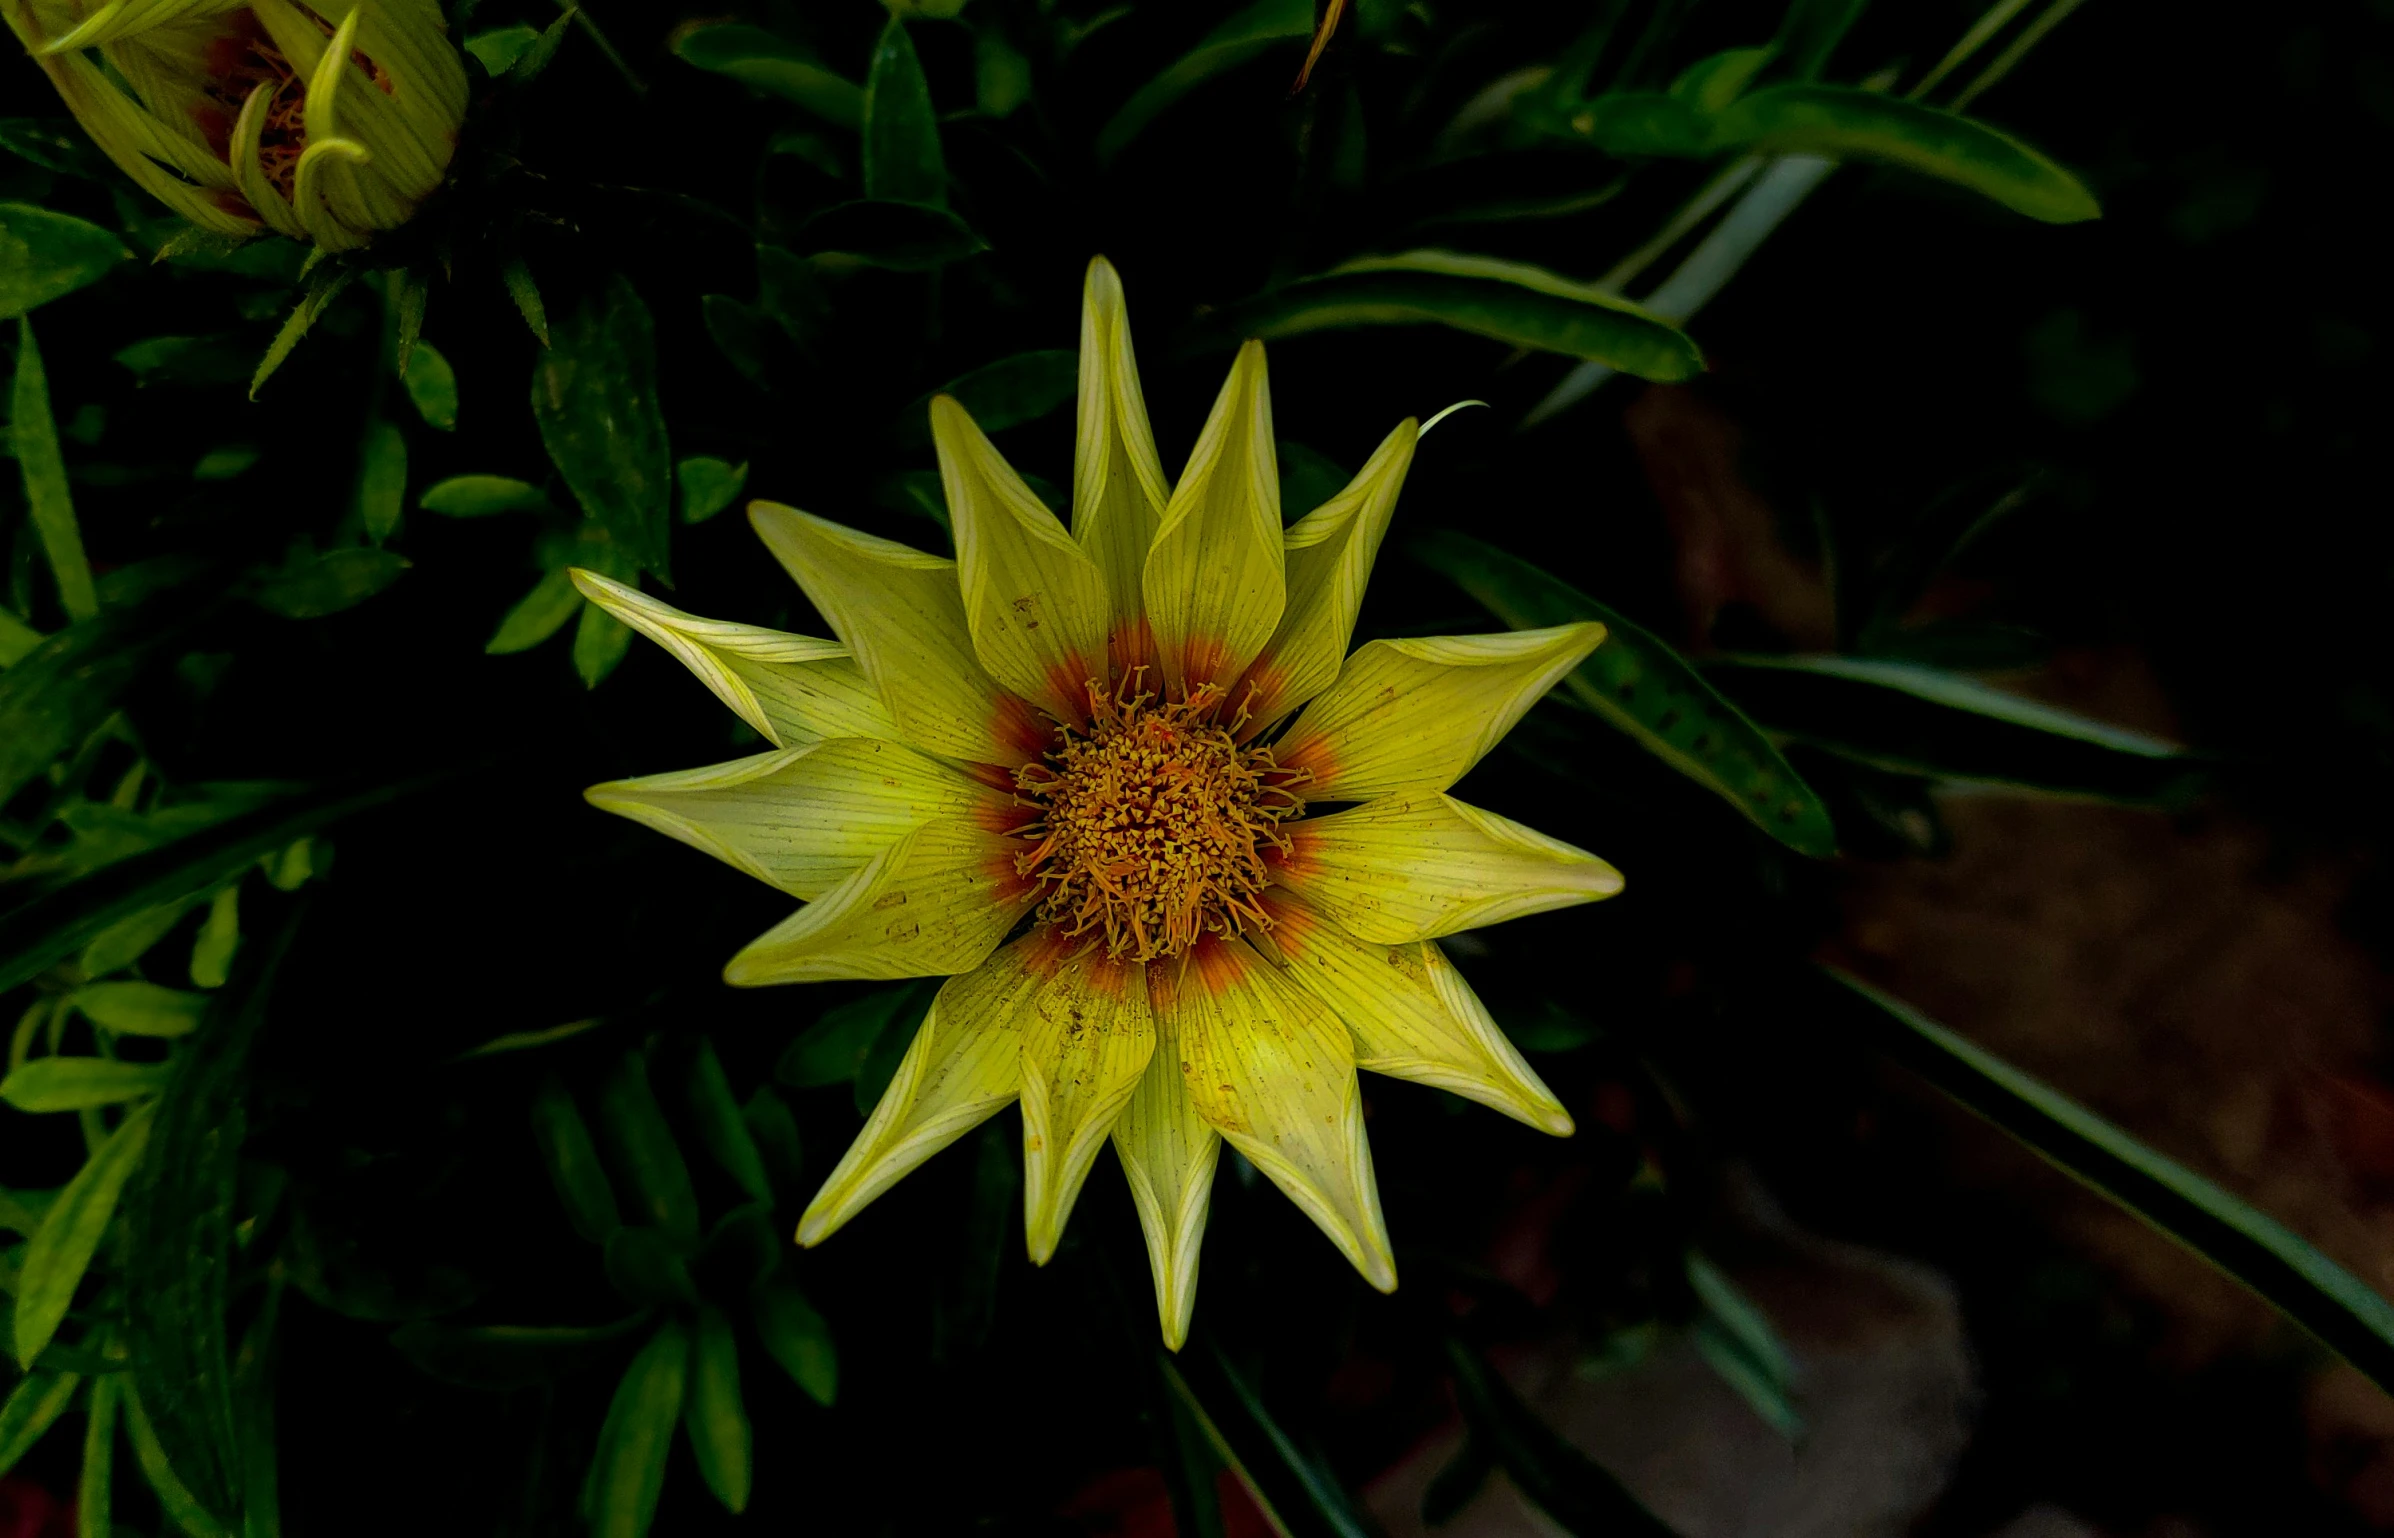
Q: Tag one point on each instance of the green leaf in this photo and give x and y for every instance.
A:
(61, 1249)
(57, 694)
(600, 642)
(1848, 123)
(594, 394)
(318, 585)
(2347, 1315)
(407, 293)
(1007, 393)
(833, 1050)
(1811, 31)
(227, 462)
(1709, 85)
(432, 385)
(1736, 1340)
(142, 1009)
(533, 59)
(33, 435)
(721, 1127)
(481, 496)
(55, 144)
(79, 1083)
(775, 1132)
(1921, 720)
(572, 1160)
(46, 256)
(646, 1267)
(627, 1473)
(38, 1400)
(1551, 1473)
(1001, 75)
(382, 481)
(525, 1041)
(708, 486)
(1635, 123)
(325, 285)
(902, 159)
(904, 237)
(17, 639)
(188, 360)
(1509, 301)
(1298, 1495)
(505, 1356)
(128, 940)
(714, 1417)
(741, 1250)
(497, 49)
(537, 615)
(517, 278)
(792, 293)
(738, 332)
(1257, 30)
(796, 1337)
(174, 1497)
(644, 1152)
(1647, 690)
(758, 58)
(96, 1485)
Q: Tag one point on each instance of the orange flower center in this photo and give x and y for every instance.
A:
(1154, 823)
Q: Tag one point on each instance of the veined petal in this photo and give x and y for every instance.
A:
(901, 614)
(794, 689)
(1214, 582)
(964, 1066)
(938, 900)
(1413, 715)
(1085, 1046)
(1411, 1013)
(1274, 1072)
(1035, 602)
(1118, 487)
(249, 173)
(805, 819)
(1168, 1154)
(1416, 867)
(1328, 555)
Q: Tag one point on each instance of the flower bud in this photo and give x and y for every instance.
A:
(326, 122)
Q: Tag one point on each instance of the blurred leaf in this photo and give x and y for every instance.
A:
(627, 1473)
(227, 463)
(594, 394)
(1919, 720)
(967, 1298)
(381, 484)
(533, 59)
(708, 486)
(600, 642)
(1525, 306)
(58, 694)
(902, 160)
(775, 1132)
(1635, 123)
(1257, 30)
(141, 1009)
(16, 639)
(1811, 31)
(758, 58)
(60, 1251)
(1648, 691)
(518, 281)
(96, 1485)
(33, 435)
(646, 1267)
(791, 292)
(572, 1160)
(795, 1336)
(505, 1356)
(46, 256)
(212, 951)
(318, 585)
(1548, 1471)
(75, 1083)
(738, 332)
(525, 1041)
(1550, 1027)
(1308, 478)
(128, 940)
(537, 615)
(432, 385)
(55, 144)
(1457, 1483)
(1298, 1495)
(714, 1417)
(1001, 75)
(721, 1127)
(1736, 1340)
(999, 395)
(1845, 122)
(741, 1250)
(182, 1508)
(905, 237)
(480, 496)
(38, 1399)
(812, 148)
(2346, 1314)
(833, 1050)
(324, 285)
(1937, 537)
(498, 49)
(406, 295)
(644, 1151)
(188, 360)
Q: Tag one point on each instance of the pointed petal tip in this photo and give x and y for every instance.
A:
(815, 1227)
(1379, 1269)
(1555, 1120)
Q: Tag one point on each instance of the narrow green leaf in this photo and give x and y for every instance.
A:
(408, 293)
(130, 938)
(38, 1400)
(600, 642)
(1846, 122)
(46, 256)
(796, 1337)
(21, 1211)
(594, 394)
(497, 49)
(61, 1249)
(1811, 31)
(1710, 85)
(627, 1474)
(1736, 1339)
(714, 1416)
(56, 144)
(525, 1041)
(319, 585)
(775, 1132)
(646, 1267)
(254, 1404)
(324, 285)
(1509, 301)
(516, 276)
(1260, 28)
(16, 639)
(480, 496)
(432, 386)
(572, 1160)
(174, 1496)
(33, 434)
(141, 1009)
(1551, 1473)
(1007, 393)
(79, 1083)
(1299, 1497)
(382, 480)
(770, 63)
(212, 950)
(220, 359)
(505, 1356)
(533, 59)
(1647, 690)
(721, 1127)
(96, 1486)
(1457, 1484)
(708, 486)
(904, 237)
(644, 1151)
(537, 615)
(902, 159)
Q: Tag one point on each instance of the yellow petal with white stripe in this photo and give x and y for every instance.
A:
(1035, 602)
(805, 819)
(1168, 1154)
(1413, 715)
(1416, 867)
(901, 614)
(794, 689)
(1273, 1071)
(1411, 1013)
(1118, 487)
(964, 1066)
(1085, 1046)
(1214, 581)
(937, 901)
(1329, 555)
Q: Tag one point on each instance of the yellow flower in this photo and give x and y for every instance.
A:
(1061, 769)
(324, 122)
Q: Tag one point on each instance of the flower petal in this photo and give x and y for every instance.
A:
(901, 614)
(938, 900)
(1168, 1154)
(1035, 602)
(794, 689)
(1214, 581)
(1274, 1072)
(1085, 1046)
(1411, 1013)
(1413, 715)
(1118, 487)
(964, 1066)
(1329, 556)
(1416, 867)
(805, 819)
